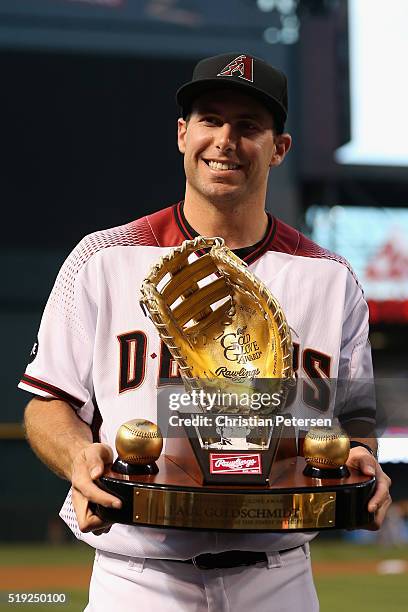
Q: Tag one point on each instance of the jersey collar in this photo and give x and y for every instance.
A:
(247, 254)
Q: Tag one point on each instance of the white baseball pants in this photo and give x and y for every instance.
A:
(284, 584)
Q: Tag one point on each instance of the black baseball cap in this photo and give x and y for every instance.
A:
(249, 74)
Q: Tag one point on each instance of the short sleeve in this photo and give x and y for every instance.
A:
(355, 385)
(60, 364)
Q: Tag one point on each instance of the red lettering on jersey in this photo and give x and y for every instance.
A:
(168, 368)
(317, 367)
(316, 391)
(243, 65)
(132, 360)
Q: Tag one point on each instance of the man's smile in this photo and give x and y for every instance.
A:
(222, 165)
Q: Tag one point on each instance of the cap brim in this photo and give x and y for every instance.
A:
(187, 93)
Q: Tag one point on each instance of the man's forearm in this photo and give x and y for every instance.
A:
(363, 432)
(371, 442)
(56, 433)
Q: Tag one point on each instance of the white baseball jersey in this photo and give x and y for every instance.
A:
(98, 351)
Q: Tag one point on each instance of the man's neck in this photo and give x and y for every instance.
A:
(240, 225)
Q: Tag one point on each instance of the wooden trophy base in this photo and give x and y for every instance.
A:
(290, 501)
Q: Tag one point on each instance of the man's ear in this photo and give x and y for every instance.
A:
(283, 142)
(181, 134)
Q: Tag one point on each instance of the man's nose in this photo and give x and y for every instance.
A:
(226, 138)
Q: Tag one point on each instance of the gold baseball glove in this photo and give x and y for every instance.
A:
(221, 324)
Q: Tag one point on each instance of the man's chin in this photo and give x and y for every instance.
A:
(227, 194)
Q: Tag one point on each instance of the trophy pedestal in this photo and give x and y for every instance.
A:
(318, 472)
(121, 467)
(290, 501)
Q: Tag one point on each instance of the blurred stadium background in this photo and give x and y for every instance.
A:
(88, 128)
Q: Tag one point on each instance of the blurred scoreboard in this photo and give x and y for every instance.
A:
(378, 47)
(375, 242)
(393, 446)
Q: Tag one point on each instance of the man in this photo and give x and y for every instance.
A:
(95, 347)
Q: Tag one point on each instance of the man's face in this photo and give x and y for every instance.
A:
(229, 145)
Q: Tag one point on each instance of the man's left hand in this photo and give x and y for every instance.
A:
(361, 459)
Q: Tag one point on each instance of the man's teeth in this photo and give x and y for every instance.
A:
(218, 166)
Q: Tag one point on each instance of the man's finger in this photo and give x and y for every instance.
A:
(86, 517)
(380, 502)
(94, 494)
(381, 495)
(97, 456)
(364, 462)
(99, 532)
(380, 515)
(82, 479)
(91, 523)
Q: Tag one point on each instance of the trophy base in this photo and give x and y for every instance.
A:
(172, 498)
(121, 467)
(315, 472)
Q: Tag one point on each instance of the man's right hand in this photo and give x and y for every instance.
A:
(88, 465)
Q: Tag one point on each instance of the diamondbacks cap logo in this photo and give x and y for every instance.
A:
(223, 463)
(242, 67)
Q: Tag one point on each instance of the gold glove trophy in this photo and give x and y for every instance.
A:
(232, 466)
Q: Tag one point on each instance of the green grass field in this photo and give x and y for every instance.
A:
(360, 592)
(354, 586)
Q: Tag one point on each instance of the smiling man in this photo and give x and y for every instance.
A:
(231, 134)
(229, 144)
(99, 360)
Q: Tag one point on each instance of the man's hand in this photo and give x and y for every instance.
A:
(87, 466)
(361, 459)
(63, 441)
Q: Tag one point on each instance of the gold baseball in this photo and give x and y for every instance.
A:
(326, 447)
(139, 442)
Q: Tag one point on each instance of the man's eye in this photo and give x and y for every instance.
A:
(210, 120)
(250, 127)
